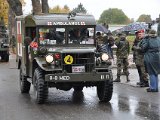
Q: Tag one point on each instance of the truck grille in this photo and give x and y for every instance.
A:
(79, 59)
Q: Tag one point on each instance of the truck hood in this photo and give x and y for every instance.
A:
(72, 49)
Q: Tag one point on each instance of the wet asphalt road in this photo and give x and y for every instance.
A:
(128, 103)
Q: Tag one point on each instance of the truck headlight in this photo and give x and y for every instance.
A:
(104, 57)
(49, 58)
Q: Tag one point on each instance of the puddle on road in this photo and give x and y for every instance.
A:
(137, 108)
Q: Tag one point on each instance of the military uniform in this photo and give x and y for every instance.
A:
(13, 43)
(99, 39)
(109, 42)
(122, 56)
(138, 58)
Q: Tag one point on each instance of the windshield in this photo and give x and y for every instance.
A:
(71, 35)
(51, 36)
(80, 35)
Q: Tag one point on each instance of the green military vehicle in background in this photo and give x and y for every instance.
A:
(4, 42)
(60, 50)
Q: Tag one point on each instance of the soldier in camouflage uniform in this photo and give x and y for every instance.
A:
(104, 43)
(138, 58)
(122, 56)
(99, 38)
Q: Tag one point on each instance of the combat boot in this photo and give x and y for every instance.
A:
(117, 79)
(144, 84)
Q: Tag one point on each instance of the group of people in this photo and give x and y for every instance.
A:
(146, 55)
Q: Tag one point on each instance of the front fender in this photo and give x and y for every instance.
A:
(40, 61)
(44, 66)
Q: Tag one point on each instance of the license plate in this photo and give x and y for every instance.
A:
(78, 69)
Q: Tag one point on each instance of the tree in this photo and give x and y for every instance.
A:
(80, 9)
(45, 7)
(4, 10)
(113, 16)
(144, 18)
(66, 9)
(58, 9)
(36, 6)
(55, 9)
(16, 6)
(132, 20)
(40, 8)
(15, 9)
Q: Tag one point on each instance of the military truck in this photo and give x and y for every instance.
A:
(59, 50)
(4, 42)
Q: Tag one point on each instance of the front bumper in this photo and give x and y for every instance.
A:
(78, 77)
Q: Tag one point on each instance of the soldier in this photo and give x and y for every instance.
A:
(122, 56)
(109, 42)
(105, 43)
(13, 44)
(138, 58)
(151, 47)
(99, 38)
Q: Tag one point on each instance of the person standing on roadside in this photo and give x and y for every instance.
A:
(13, 44)
(151, 47)
(122, 54)
(138, 58)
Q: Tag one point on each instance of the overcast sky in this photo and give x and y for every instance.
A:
(132, 8)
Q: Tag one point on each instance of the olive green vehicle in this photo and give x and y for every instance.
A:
(59, 50)
(4, 44)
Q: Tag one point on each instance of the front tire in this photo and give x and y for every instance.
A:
(40, 86)
(24, 84)
(105, 90)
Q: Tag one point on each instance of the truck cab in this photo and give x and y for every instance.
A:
(60, 50)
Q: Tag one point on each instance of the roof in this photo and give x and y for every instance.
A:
(61, 19)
